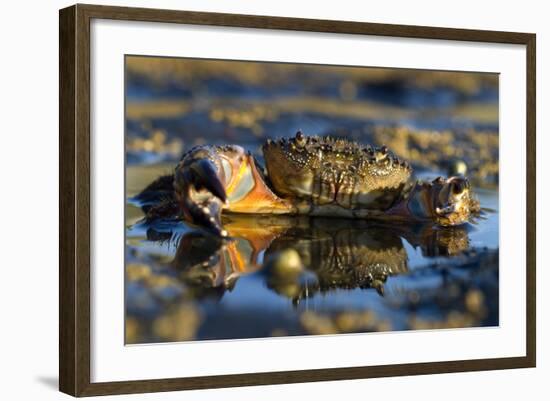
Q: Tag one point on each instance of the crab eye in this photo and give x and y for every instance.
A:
(300, 138)
(381, 154)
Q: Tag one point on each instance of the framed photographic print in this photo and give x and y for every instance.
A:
(251, 200)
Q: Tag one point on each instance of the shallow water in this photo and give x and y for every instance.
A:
(183, 284)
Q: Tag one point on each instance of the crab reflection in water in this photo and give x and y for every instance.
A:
(300, 257)
(283, 275)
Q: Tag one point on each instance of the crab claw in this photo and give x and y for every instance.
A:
(453, 201)
(446, 202)
(204, 174)
(199, 183)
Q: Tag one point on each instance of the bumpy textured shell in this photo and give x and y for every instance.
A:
(325, 170)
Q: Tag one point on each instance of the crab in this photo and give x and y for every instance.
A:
(313, 176)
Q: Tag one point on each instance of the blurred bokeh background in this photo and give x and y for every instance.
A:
(431, 118)
(442, 122)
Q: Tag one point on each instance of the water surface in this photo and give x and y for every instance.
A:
(353, 276)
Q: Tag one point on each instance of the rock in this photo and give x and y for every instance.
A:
(285, 265)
